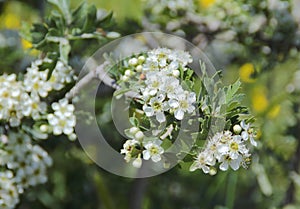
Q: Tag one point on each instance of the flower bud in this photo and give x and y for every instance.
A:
(175, 73)
(133, 61)
(212, 171)
(141, 59)
(139, 135)
(128, 73)
(237, 129)
(137, 163)
(139, 68)
(133, 130)
(124, 78)
(72, 137)
(44, 128)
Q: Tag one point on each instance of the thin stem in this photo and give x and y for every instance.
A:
(231, 190)
(103, 192)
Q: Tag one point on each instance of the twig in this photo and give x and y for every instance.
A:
(167, 133)
(98, 73)
(84, 81)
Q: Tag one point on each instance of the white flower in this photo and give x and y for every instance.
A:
(36, 81)
(203, 161)
(128, 147)
(63, 109)
(61, 75)
(153, 151)
(9, 194)
(171, 87)
(248, 133)
(151, 64)
(62, 125)
(183, 103)
(234, 148)
(157, 108)
(154, 81)
(63, 119)
(227, 161)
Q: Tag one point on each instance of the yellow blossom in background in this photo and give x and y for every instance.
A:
(274, 112)
(14, 12)
(10, 21)
(258, 134)
(206, 3)
(246, 71)
(259, 99)
(27, 45)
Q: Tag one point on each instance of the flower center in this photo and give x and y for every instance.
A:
(234, 146)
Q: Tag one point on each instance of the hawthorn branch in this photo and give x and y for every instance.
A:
(100, 74)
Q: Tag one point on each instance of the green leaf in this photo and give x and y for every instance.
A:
(134, 121)
(63, 6)
(90, 24)
(106, 20)
(79, 15)
(38, 33)
(64, 50)
(232, 90)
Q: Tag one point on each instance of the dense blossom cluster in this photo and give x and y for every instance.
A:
(26, 164)
(157, 75)
(8, 190)
(23, 163)
(63, 119)
(227, 149)
(141, 146)
(19, 99)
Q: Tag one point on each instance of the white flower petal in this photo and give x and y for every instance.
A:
(160, 117)
(179, 114)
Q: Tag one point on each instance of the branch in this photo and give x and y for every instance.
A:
(85, 80)
(98, 73)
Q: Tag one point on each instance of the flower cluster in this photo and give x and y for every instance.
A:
(261, 22)
(16, 103)
(141, 146)
(19, 99)
(26, 166)
(63, 120)
(8, 191)
(61, 75)
(227, 149)
(157, 75)
(22, 163)
(172, 8)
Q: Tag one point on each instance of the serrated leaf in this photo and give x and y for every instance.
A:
(232, 90)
